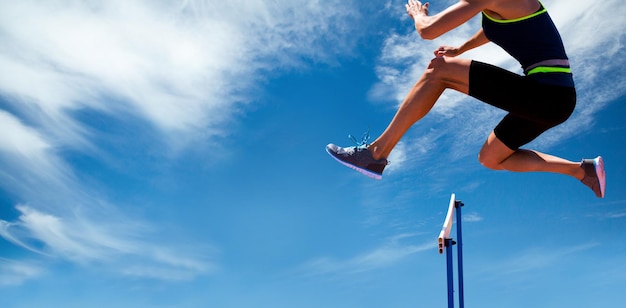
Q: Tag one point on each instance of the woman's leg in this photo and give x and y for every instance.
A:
(496, 155)
(442, 73)
(533, 109)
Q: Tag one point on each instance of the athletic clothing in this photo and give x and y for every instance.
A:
(535, 43)
(541, 99)
(533, 107)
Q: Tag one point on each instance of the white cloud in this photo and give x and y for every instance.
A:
(16, 272)
(472, 217)
(536, 259)
(389, 253)
(184, 68)
(22, 141)
(614, 215)
(29, 165)
(113, 245)
(67, 220)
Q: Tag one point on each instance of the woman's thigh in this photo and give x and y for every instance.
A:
(519, 95)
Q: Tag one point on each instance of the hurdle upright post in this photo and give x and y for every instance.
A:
(459, 251)
(445, 242)
(450, 271)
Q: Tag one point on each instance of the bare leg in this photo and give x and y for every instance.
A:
(452, 73)
(442, 73)
(495, 155)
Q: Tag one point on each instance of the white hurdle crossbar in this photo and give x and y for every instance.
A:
(447, 224)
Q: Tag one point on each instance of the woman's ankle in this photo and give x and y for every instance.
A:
(376, 152)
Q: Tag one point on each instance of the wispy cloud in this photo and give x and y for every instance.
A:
(518, 270)
(472, 217)
(611, 210)
(183, 69)
(113, 245)
(182, 66)
(389, 253)
(536, 259)
(16, 272)
(614, 215)
(29, 164)
(69, 221)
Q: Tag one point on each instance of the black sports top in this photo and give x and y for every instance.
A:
(535, 43)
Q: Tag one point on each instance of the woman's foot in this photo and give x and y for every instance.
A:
(358, 158)
(594, 178)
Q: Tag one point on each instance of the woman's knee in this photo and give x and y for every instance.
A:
(494, 152)
(452, 72)
(488, 160)
(438, 67)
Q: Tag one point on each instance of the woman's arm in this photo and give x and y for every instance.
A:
(477, 40)
(431, 27)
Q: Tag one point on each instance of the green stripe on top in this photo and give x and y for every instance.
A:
(505, 21)
(549, 69)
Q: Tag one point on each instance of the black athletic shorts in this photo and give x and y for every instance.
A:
(533, 107)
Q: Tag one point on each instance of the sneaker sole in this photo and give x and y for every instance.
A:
(598, 163)
(365, 172)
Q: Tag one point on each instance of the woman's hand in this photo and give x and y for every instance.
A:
(447, 51)
(415, 8)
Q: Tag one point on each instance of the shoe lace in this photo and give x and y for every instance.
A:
(364, 139)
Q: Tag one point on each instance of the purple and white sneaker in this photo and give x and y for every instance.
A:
(595, 178)
(358, 158)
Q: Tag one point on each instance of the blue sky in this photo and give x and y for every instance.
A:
(171, 154)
